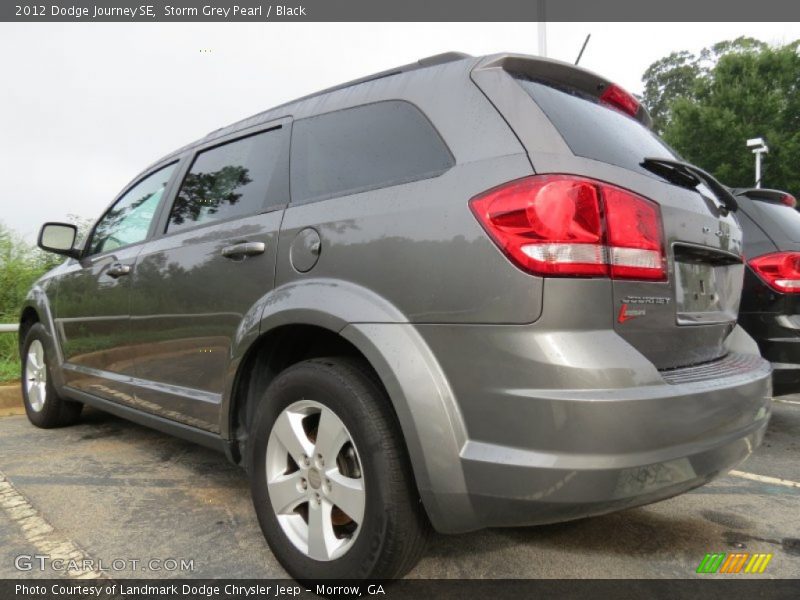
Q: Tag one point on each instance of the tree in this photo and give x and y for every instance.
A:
(707, 106)
(20, 266)
(666, 80)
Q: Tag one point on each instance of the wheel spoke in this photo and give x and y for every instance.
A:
(39, 351)
(35, 396)
(303, 499)
(331, 436)
(289, 429)
(348, 494)
(321, 539)
(286, 494)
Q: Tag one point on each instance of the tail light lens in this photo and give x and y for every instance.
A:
(619, 98)
(789, 200)
(563, 225)
(779, 270)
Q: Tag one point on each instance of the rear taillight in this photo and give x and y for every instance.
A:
(779, 270)
(789, 200)
(569, 226)
(621, 99)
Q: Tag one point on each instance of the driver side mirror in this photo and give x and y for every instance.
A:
(59, 238)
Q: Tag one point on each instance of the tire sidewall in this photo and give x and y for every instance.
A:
(302, 382)
(39, 418)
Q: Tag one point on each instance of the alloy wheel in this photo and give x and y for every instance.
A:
(36, 376)
(315, 480)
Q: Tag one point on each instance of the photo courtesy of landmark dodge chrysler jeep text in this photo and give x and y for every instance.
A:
(462, 293)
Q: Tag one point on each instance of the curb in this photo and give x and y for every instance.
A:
(10, 397)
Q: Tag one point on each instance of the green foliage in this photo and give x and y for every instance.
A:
(707, 106)
(20, 266)
(666, 80)
(9, 368)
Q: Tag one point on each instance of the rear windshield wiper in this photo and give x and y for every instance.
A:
(690, 176)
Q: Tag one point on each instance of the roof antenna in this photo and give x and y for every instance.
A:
(586, 41)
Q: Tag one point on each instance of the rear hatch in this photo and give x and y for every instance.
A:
(775, 213)
(574, 122)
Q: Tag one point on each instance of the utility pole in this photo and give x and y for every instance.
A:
(542, 37)
(759, 147)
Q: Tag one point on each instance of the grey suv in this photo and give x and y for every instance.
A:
(466, 292)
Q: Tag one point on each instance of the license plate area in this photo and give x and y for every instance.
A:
(708, 287)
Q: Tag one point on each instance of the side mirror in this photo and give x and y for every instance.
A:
(59, 238)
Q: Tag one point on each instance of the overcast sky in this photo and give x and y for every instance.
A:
(84, 107)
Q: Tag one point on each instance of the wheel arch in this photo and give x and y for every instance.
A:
(315, 318)
(28, 318)
(36, 309)
(271, 353)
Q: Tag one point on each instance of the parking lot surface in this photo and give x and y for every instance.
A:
(110, 490)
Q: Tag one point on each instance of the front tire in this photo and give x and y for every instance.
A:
(44, 407)
(330, 478)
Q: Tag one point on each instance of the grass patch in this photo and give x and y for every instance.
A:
(9, 357)
(9, 371)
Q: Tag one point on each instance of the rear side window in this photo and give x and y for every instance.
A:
(232, 180)
(362, 148)
(595, 131)
(785, 218)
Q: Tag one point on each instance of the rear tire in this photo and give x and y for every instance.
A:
(44, 407)
(380, 531)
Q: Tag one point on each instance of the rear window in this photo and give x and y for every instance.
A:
(785, 218)
(595, 131)
(362, 148)
(235, 179)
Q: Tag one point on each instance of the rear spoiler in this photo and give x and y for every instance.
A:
(570, 76)
(766, 195)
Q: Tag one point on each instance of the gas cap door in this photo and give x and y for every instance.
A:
(305, 250)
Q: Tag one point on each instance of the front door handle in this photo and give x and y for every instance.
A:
(118, 270)
(243, 249)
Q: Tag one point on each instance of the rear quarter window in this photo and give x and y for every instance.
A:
(363, 148)
(595, 131)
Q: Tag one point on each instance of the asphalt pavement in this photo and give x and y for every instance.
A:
(139, 503)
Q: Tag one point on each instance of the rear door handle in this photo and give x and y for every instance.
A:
(244, 249)
(118, 270)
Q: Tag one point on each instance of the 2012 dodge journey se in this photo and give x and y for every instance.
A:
(466, 292)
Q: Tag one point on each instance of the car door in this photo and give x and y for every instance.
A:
(92, 304)
(214, 259)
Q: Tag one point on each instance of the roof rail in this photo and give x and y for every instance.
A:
(429, 61)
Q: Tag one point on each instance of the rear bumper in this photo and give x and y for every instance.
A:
(785, 378)
(510, 486)
(777, 338)
(784, 354)
(552, 453)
